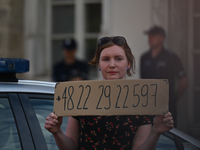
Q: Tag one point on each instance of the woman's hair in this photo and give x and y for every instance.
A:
(124, 46)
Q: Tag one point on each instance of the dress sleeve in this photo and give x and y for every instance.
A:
(146, 120)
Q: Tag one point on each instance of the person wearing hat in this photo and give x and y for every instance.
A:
(160, 63)
(70, 69)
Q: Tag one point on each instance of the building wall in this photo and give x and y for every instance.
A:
(130, 19)
(35, 38)
(174, 20)
(178, 42)
(11, 28)
(177, 24)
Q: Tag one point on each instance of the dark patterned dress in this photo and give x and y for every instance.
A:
(109, 132)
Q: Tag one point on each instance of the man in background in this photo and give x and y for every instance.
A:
(159, 63)
(70, 69)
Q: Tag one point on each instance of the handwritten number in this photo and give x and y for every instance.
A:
(118, 96)
(146, 94)
(64, 97)
(70, 97)
(155, 93)
(126, 96)
(107, 93)
(100, 96)
(87, 97)
(136, 96)
(80, 97)
(107, 96)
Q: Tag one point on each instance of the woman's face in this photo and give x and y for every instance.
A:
(113, 63)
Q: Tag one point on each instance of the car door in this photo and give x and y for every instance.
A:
(37, 107)
(15, 133)
(22, 121)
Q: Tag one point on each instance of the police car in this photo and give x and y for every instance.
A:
(25, 104)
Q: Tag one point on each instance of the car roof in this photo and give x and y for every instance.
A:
(28, 86)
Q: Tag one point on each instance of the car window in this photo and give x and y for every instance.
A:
(9, 138)
(42, 109)
(165, 143)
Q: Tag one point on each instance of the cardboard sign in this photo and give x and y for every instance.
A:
(112, 97)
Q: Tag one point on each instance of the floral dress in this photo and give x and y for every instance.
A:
(109, 132)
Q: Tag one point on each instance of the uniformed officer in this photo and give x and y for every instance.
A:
(159, 63)
(70, 69)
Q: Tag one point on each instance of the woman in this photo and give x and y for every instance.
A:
(115, 60)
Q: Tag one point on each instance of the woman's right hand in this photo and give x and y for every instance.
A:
(53, 123)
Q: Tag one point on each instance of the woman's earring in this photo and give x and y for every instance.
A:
(99, 69)
(127, 68)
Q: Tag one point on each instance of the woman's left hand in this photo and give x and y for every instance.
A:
(163, 123)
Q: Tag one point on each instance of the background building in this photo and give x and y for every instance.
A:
(35, 29)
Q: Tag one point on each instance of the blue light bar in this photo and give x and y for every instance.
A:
(13, 65)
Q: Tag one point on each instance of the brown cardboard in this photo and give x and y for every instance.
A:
(112, 97)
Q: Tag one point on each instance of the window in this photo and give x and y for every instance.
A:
(63, 26)
(9, 138)
(165, 143)
(80, 20)
(42, 109)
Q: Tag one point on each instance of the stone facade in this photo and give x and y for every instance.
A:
(11, 28)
